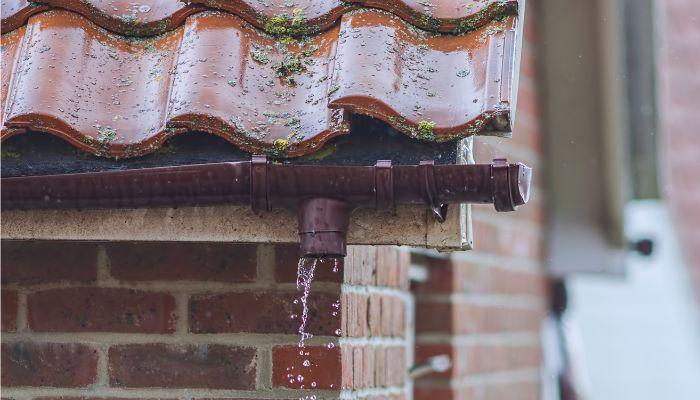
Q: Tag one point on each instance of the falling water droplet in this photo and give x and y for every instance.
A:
(335, 264)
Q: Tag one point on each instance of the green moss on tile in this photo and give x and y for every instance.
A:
(495, 11)
(289, 25)
(426, 130)
(9, 152)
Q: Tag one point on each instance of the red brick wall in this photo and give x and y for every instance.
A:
(679, 63)
(484, 307)
(199, 321)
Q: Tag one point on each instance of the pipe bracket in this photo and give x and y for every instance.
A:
(429, 190)
(502, 197)
(258, 184)
(384, 186)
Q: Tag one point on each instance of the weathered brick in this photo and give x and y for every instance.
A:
(262, 313)
(145, 261)
(374, 317)
(92, 309)
(325, 368)
(388, 260)
(287, 260)
(37, 262)
(355, 306)
(48, 364)
(211, 366)
(9, 310)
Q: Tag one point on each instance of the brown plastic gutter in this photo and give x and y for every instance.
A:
(324, 196)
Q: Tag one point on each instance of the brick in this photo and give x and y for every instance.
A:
(9, 310)
(448, 276)
(436, 393)
(357, 365)
(369, 265)
(287, 259)
(481, 358)
(375, 315)
(355, 306)
(473, 278)
(262, 313)
(362, 306)
(404, 268)
(495, 319)
(398, 318)
(507, 241)
(506, 390)
(346, 361)
(210, 366)
(36, 262)
(440, 318)
(92, 309)
(325, 367)
(398, 371)
(147, 261)
(48, 364)
(387, 316)
(368, 364)
(433, 317)
(380, 367)
(440, 277)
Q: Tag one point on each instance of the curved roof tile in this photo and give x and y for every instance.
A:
(153, 17)
(122, 97)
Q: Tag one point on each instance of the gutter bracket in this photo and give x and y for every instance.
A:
(258, 184)
(502, 197)
(429, 190)
(384, 186)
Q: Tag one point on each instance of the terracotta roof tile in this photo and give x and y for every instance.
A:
(150, 17)
(120, 96)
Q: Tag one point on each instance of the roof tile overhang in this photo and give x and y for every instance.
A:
(84, 75)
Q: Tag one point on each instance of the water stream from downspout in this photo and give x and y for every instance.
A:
(306, 268)
(305, 275)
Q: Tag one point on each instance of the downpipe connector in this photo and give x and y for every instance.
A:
(323, 227)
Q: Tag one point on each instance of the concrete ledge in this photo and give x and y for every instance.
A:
(411, 226)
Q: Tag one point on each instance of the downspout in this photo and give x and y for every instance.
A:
(323, 196)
